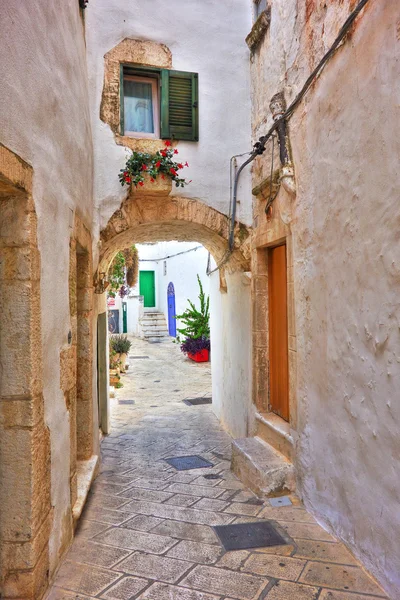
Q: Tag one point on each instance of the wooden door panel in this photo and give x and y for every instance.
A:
(278, 332)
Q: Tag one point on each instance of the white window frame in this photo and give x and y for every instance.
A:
(156, 110)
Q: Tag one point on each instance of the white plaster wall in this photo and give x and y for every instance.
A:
(345, 139)
(44, 118)
(231, 352)
(205, 37)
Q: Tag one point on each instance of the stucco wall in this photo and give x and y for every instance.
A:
(44, 118)
(193, 32)
(231, 353)
(345, 141)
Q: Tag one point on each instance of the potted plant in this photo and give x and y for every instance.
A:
(197, 349)
(197, 328)
(121, 346)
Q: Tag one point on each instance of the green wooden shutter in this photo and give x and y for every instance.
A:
(179, 105)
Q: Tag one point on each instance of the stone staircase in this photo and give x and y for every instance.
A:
(154, 327)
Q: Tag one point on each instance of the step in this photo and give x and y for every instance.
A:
(162, 334)
(263, 469)
(157, 340)
(160, 324)
(276, 432)
(151, 330)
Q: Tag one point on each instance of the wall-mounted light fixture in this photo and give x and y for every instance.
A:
(83, 4)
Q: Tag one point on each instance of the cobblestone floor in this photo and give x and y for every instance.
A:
(146, 531)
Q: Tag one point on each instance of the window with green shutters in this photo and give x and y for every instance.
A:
(177, 103)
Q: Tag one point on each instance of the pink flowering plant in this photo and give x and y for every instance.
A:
(162, 164)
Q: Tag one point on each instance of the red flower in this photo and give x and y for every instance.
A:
(173, 171)
(175, 151)
(141, 183)
(180, 166)
(158, 164)
(186, 164)
(144, 167)
(125, 173)
(128, 179)
(163, 153)
(152, 180)
(167, 143)
(162, 176)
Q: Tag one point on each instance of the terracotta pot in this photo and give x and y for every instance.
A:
(200, 356)
(122, 360)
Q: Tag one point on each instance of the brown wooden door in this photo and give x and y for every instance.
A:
(278, 333)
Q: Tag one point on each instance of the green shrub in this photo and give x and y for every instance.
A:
(120, 343)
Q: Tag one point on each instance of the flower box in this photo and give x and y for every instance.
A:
(200, 356)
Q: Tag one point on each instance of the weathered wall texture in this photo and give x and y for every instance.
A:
(44, 118)
(203, 37)
(346, 256)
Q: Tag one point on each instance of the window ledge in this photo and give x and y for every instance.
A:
(140, 144)
(258, 30)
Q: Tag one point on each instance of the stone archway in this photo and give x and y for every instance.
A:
(152, 218)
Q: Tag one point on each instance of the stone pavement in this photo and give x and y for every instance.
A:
(146, 531)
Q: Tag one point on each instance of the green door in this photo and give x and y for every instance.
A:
(147, 288)
(124, 317)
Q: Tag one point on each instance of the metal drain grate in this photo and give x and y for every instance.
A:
(249, 535)
(126, 402)
(138, 357)
(197, 401)
(185, 463)
(212, 476)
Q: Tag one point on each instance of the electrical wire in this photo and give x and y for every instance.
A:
(170, 256)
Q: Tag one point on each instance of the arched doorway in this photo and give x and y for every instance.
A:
(171, 309)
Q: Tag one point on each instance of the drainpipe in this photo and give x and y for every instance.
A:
(286, 176)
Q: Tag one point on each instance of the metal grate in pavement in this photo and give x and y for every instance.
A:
(240, 536)
(197, 401)
(126, 402)
(185, 463)
(212, 476)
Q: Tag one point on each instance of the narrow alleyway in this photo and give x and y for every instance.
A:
(146, 531)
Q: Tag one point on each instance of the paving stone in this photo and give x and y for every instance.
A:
(96, 554)
(125, 589)
(244, 496)
(163, 591)
(333, 595)
(104, 515)
(150, 484)
(136, 540)
(88, 529)
(182, 500)
(179, 514)
(210, 504)
(142, 523)
(59, 594)
(274, 566)
(224, 582)
(286, 513)
(187, 531)
(306, 531)
(283, 590)
(155, 567)
(194, 490)
(325, 551)
(143, 494)
(352, 579)
(238, 508)
(106, 501)
(198, 552)
(233, 560)
(84, 579)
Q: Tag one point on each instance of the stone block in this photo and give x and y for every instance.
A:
(17, 222)
(263, 469)
(19, 264)
(29, 584)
